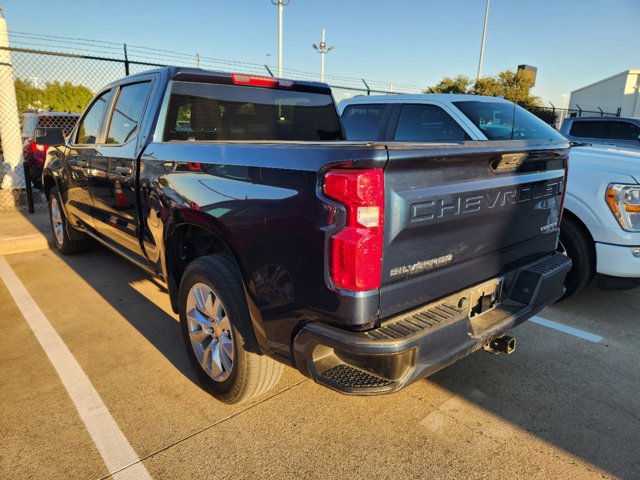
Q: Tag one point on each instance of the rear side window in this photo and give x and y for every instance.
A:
(127, 113)
(202, 111)
(362, 122)
(89, 129)
(427, 123)
(587, 129)
(507, 121)
(622, 131)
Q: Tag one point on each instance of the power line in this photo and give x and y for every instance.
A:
(161, 56)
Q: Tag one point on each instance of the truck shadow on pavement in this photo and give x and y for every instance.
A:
(577, 395)
(114, 281)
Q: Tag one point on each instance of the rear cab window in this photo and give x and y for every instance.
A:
(506, 121)
(587, 129)
(427, 123)
(617, 130)
(363, 122)
(218, 112)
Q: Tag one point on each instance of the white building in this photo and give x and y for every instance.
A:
(621, 91)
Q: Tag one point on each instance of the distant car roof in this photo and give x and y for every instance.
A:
(57, 114)
(418, 97)
(605, 119)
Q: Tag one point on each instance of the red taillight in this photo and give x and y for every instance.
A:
(258, 81)
(356, 250)
(38, 152)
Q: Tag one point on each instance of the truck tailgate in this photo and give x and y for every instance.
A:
(456, 215)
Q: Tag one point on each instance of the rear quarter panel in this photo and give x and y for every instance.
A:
(262, 199)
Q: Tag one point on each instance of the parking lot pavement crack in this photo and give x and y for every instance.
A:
(202, 430)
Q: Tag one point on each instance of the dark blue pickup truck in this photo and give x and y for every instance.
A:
(365, 265)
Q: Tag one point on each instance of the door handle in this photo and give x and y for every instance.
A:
(123, 170)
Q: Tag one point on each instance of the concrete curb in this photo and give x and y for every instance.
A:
(23, 244)
(20, 233)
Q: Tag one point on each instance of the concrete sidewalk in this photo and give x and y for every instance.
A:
(24, 232)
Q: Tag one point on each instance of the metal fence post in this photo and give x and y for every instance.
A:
(27, 179)
(126, 61)
(367, 86)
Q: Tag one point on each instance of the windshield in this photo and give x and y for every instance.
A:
(507, 121)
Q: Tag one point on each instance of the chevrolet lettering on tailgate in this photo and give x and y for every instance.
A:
(453, 205)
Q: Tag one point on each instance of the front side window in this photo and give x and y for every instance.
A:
(127, 113)
(622, 131)
(587, 129)
(89, 129)
(507, 121)
(427, 123)
(362, 122)
(204, 111)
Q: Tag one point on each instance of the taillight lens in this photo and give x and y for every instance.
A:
(38, 152)
(356, 250)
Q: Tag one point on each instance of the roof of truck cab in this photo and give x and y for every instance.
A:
(419, 98)
(173, 72)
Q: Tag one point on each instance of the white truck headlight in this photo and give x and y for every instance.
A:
(624, 203)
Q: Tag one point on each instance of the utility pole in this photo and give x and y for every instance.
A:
(484, 35)
(281, 4)
(322, 50)
(9, 121)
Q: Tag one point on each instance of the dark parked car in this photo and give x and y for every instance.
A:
(364, 265)
(618, 131)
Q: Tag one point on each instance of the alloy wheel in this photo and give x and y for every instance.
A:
(210, 332)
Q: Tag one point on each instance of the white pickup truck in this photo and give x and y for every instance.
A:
(600, 231)
(601, 226)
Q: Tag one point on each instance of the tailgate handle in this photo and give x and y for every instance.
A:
(509, 161)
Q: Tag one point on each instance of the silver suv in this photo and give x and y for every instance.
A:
(621, 132)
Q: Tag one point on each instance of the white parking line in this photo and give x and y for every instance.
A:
(107, 436)
(576, 332)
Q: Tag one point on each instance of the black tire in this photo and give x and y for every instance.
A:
(251, 373)
(60, 228)
(578, 246)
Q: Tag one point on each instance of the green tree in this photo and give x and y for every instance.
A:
(459, 84)
(507, 84)
(55, 96)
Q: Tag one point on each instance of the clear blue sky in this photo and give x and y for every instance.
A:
(572, 42)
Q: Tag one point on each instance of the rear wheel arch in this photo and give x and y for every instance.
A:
(184, 244)
(48, 182)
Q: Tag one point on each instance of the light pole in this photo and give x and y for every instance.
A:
(281, 4)
(484, 35)
(322, 50)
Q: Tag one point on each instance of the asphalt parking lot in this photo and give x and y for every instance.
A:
(564, 405)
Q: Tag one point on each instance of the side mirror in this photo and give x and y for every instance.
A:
(52, 137)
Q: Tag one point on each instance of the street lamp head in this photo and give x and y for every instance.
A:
(330, 48)
(315, 46)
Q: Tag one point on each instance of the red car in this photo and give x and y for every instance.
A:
(35, 154)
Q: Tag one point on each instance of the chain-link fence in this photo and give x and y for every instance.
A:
(50, 79)
(52, 86)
